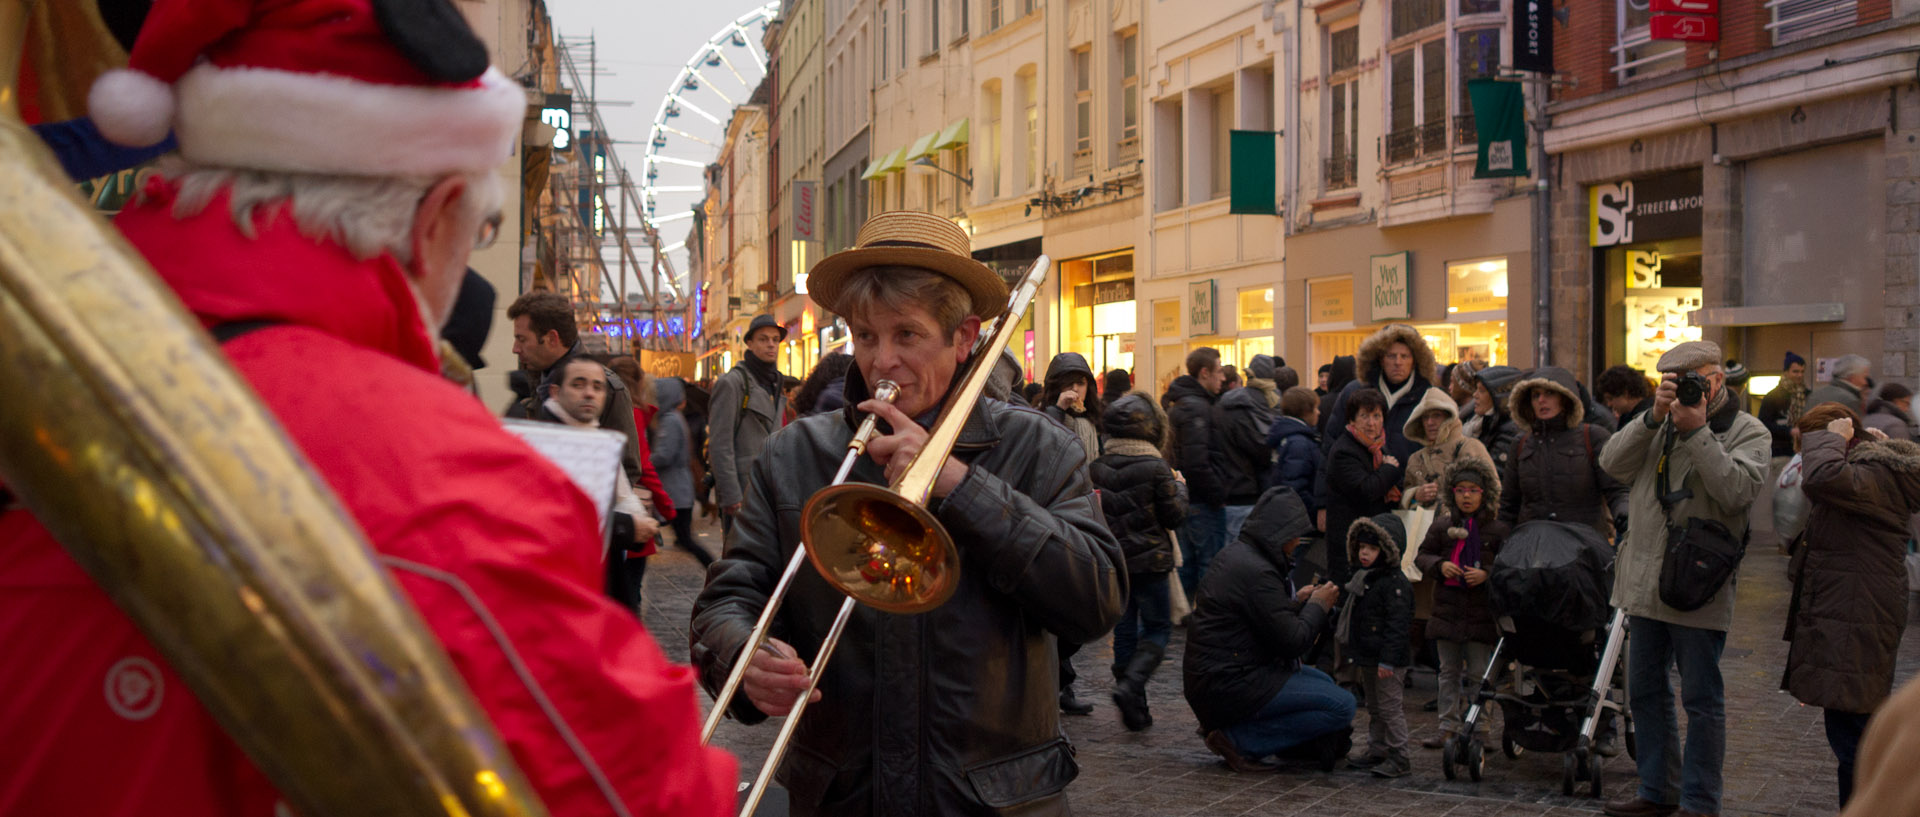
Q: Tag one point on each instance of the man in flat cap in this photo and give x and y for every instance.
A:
(1693, 456)
(953, 710)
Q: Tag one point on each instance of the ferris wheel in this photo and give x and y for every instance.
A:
(690, 126)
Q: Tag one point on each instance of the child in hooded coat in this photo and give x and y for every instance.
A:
(1459, 550)
(1142, 498)
(1373, 626)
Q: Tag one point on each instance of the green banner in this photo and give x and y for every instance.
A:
(1500, 117)
(1252, 163)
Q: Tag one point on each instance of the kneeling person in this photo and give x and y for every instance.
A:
(1244, 678)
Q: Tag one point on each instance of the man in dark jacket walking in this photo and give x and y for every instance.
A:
(1189, 403)
(545, 339)
(1782, 407)
(1241, 421)
(748, 405)
(1243, 675)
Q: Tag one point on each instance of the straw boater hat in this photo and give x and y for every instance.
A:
(906, 238)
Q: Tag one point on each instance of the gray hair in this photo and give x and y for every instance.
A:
(1849, 366)
(896, 288)
(368, 215)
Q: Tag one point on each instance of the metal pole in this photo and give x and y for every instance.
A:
(1542, 234)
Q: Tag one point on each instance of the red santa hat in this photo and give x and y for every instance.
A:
(360, 87)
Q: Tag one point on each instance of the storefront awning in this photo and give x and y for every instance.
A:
(889, 163)
(922, 146)
(953, 136)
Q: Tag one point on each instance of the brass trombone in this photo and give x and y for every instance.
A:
(878, 545)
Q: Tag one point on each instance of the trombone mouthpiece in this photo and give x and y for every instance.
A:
(886, 390)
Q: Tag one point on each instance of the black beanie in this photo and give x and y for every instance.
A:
(1471, 475)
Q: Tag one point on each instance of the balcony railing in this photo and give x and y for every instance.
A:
(1339, 172)
(1420, 140)
(1465, 132)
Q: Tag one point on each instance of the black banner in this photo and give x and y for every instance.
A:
(1533, 35)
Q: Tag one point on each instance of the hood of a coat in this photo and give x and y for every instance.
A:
(1277, 518)
(1069, 363)
(1261, 366)
(1434, 400)
(1499, 381)
(1898, 456)
(1135, 416)
(1185, 386)
(1489, 480)
(1547, 378)
(1385, 530)
(670, 392)
(1287, 426)
(1341, 374)
(1367, 360)
(1249, 398)
(278, 275)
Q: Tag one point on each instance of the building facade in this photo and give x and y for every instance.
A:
(795, 54)
(1762, 191)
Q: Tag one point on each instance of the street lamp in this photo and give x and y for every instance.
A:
(929, 163)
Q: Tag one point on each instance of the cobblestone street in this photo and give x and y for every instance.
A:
(1777, 763)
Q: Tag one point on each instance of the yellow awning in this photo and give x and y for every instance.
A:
(922, 146)
(885, 164)
(955, 135)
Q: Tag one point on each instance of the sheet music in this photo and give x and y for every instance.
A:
(589, 456)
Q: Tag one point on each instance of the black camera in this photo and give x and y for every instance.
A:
(1690, 388)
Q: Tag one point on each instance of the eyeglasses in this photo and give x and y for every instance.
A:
(1468, 489)
(489, 232)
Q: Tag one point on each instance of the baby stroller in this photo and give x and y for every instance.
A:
(1550, 586)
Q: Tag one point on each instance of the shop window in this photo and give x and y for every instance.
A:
(1477, 55)
(1417, 101)
(1170, 155)
(1412, 16)
(1256, 309)
(1129, 147)
(1340, 167)
(1477, 286)
(1651, 288)
(1220, 164)
(1636, 53)
(1097, 315)
(1800, 19)
(1082, 62)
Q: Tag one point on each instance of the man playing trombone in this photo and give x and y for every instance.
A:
(951, 711)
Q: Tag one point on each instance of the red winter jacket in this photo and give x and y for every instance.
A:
(497, 550)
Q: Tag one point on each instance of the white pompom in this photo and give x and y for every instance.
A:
(131, 108)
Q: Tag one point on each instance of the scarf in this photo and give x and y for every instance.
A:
(1466, 549)
(553, 407)
(1373, 444)
(1130, 448)
(1394, 393)
(1356, 587)
(1796, 403)
(1089, 436)
(767, 374)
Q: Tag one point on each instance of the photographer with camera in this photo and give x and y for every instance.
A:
(1694, 463)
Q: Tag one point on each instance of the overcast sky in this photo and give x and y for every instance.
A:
(643, 44)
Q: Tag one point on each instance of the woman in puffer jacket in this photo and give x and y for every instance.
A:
(1554, 472)
(1496, 430)
(1142, 498)
(1435, 425)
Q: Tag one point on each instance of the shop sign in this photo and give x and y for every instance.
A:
(1533, 35)
(558, 112)
(1685, 28)
(1390, 285)
(806, 197)
(1202, 317)
(1166, 318)
(1331, 301)
(1103, 292)
(1652, 209)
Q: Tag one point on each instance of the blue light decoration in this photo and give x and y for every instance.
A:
(699, 311)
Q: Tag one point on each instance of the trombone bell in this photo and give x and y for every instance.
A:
(874, 545)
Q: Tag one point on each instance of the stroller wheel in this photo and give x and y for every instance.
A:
(1593, 774)
(1569, 767)
(1476, 760)
(1447, 756)
(1512, 750)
